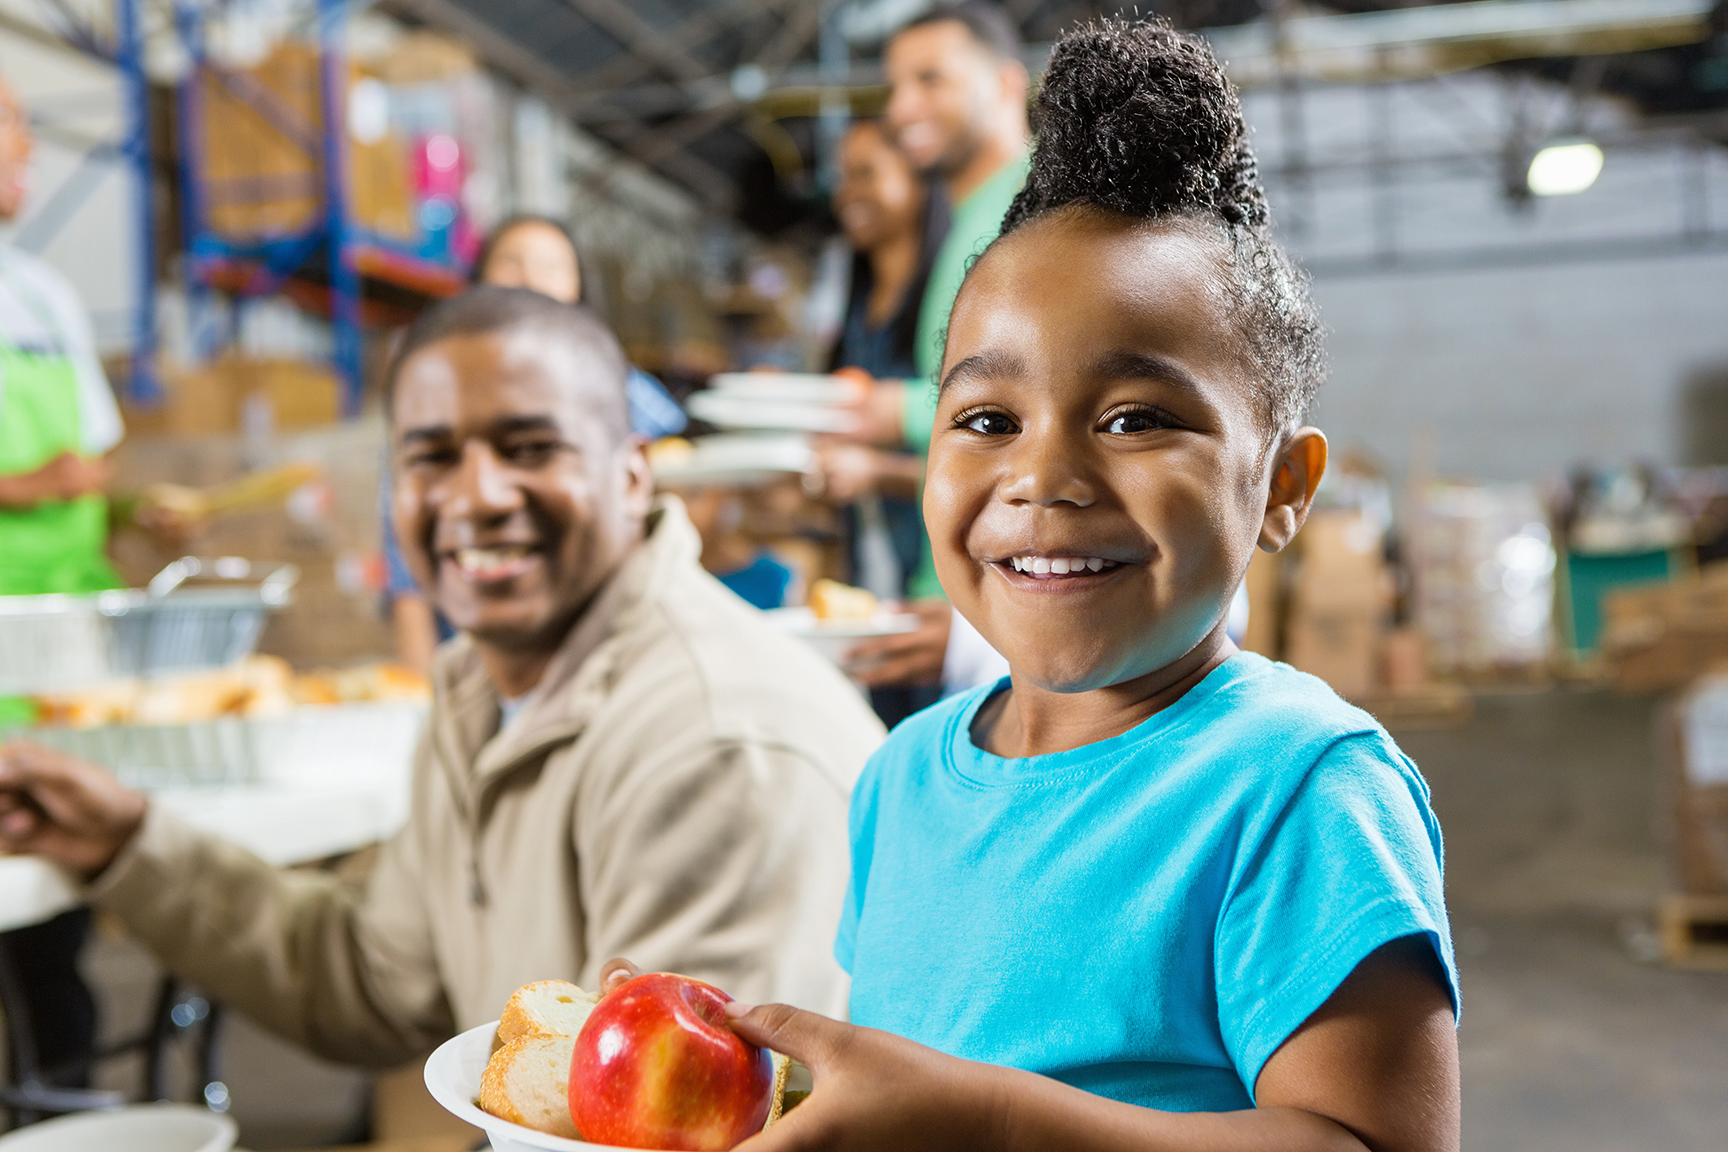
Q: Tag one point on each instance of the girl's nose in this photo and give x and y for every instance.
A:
(1046, 469)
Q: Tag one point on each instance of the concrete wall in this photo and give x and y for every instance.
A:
(1518, 373)
(1520, 340)
(75, 103)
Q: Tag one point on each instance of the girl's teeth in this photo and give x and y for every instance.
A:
(1060, 565)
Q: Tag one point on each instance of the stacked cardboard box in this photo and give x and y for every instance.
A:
(1483, 571)
(235, 392)
(1340, 602)
(261, 153)
(1660, 637)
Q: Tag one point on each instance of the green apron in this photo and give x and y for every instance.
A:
(57, 546)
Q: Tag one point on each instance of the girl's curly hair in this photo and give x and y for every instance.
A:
(1138, 119)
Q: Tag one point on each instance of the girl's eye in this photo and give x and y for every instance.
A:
(1136, 420)
(989, 424)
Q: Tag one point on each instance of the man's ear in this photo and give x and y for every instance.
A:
(1016, 83)
(638, 477)
(1296, 472)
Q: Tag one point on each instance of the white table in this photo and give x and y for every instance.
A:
(284, 824)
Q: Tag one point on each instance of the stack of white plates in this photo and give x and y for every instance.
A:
(737, 459)
(777, 401)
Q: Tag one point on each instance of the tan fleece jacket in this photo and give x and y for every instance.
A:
(674, 791)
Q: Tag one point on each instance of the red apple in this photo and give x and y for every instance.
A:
(656, 1066)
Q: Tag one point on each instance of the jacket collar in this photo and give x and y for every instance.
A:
(473, 753)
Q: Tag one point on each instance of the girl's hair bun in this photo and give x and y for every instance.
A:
(1138, 118)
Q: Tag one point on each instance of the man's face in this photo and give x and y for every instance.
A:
(514, 500)
(944, 91)
(1095, 408)
(16, 145)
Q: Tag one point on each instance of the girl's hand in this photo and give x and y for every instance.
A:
(873, 1090)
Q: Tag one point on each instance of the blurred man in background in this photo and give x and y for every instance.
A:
(58, 420)
(957, 94)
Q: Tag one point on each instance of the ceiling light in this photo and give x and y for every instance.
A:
(1564, 167)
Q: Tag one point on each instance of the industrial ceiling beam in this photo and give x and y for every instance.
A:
(531, 70)
(640, 37)
(1411, 43)
(689, 33)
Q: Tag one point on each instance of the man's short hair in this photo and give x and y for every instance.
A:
(489, 308)
(987, 23)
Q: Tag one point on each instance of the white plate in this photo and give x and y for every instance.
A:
(834, 638)
(738, 458)
(140, 1128)
(453, 1078)
(729, 409)
(798, 387)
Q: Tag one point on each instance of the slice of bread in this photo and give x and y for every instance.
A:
(527, 1082)
(551, 1007)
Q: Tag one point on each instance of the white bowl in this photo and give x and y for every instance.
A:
(141, 1128)
(453, 1078)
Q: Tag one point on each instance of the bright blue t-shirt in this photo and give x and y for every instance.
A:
(1148, 917)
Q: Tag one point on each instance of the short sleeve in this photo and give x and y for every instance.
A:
(1352, 862)
(861, 834)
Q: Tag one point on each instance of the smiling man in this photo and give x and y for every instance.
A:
(623, 757)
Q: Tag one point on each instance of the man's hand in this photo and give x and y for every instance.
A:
(63, 809)
(65, 477)
(906, 658)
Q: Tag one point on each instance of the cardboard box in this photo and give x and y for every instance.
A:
(1340, 602)
(235, 392)
(261, 154)
(1661, 637)
(1340, 647)
(1693, 734)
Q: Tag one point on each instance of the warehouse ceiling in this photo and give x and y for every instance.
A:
(722, 95)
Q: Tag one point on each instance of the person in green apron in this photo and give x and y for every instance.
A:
(58, 420)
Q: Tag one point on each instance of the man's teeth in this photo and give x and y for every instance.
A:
(483, 559)
(1060, 565)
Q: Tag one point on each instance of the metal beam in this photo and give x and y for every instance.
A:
(533, 72)
(688, 33)
(1408, 43)
(640, 37)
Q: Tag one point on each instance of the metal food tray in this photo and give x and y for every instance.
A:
(194, 614)
(313, 744)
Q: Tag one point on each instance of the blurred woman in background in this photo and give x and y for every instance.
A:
(895, 222)
(537, 253)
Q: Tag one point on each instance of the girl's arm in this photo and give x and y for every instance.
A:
(1375, 1068)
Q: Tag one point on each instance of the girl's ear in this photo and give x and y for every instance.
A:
(1296, 472)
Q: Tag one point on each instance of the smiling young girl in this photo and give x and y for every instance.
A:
(1149, 891)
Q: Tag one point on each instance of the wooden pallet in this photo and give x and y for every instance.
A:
(1694, 931)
